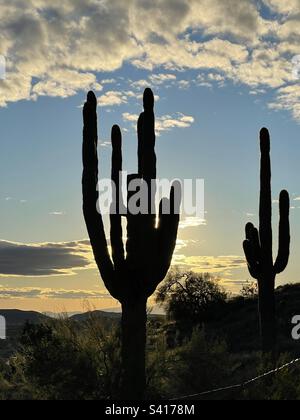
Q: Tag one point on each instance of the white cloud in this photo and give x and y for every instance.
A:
(164, 123)
(108, 81)
(184, 84)
(57, 49)
(288, 97)
(159, 79)
(130, 117)
(289, 7)
(65, 83)
(141, 84)
(112, 98)
(191, 222)
(168, 122)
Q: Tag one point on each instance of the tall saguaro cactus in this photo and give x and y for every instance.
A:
(130, 277)
(258, 247)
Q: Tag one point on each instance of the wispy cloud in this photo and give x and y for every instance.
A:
(166, 122)
(191, 222)
(48, 293)
(209, 264)
(159, 79)
(140, 84)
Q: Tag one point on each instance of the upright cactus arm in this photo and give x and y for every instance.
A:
(155, 252)
(167, 231)
(147, 139)
(265, 211)
(93, 219)
(140, 240)
(284, 233)
(116, 232)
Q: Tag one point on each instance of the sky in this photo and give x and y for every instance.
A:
(220, 72)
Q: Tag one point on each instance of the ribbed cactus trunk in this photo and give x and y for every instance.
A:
(267, 313)
(134, 336)
(258, 247)
(130, 277)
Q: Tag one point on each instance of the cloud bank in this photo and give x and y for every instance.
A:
(50, 259)
(59, 48)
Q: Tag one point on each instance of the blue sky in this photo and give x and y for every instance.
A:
(219, 76)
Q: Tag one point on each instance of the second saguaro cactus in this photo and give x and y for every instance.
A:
(258, 247)
(131, 276)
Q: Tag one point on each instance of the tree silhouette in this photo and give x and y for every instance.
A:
(133, 277)
(193, 298)
(258, 247)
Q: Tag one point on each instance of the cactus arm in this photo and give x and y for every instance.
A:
(284, 233)
(93, 219)
(146, 138)
(252, 250)
(167, 231)
(116, 232)
(116, 164)
(134, 238)
(148, 167)
(253, 236)
(265, 211)
(250, 257)
(140, 126)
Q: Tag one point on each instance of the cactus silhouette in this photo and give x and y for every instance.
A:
(130, 277)
(258, 247)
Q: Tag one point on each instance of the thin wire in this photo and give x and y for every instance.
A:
(241, 385)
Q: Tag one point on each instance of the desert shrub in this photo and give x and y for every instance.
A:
(68, 361)
(196, 366)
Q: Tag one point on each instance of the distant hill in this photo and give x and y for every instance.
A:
(15, 317)
(96, 314)
(106, 315)
(15, 321)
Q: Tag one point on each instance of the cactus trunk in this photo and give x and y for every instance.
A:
(134, 319)
(258, 247)
(267, 314)
(133, 277)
